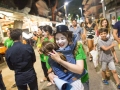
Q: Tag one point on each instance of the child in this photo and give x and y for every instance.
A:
(106, 56)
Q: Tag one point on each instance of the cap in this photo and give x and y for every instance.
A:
(62, 28)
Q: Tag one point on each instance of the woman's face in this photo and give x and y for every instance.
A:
(39, 32)
(104, 23)
(8, 33)
(61, 40)
(45, 34)
(87, 20)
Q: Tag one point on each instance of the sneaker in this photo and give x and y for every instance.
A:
(118, 86)
(105, 82)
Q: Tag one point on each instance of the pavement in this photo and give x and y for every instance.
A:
(95, 81)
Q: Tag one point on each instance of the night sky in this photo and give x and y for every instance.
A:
(72, 7)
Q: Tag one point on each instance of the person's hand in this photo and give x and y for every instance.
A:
(116, 59)
(51, 77)
(49, 70)
(113, 44)
(55, 56)
(38, 49)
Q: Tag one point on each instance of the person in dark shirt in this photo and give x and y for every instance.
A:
(21, 58)
(116, 31)
(2, 85)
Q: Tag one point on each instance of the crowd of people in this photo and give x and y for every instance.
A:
(62, 53)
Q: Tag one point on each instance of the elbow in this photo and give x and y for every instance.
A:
(81, 71)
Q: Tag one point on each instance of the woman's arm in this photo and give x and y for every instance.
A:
(75, 68)
(115, 32)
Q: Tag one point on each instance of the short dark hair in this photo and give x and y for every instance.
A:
(101, 30)
(74, 20)
(15, 34)
(40, 27)
(48, 28)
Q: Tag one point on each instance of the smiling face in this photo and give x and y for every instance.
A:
(45, 34)
(103, 35)
(61, 40)
(104, 23)
(39, 32)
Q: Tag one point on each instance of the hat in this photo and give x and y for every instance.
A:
(62, 28)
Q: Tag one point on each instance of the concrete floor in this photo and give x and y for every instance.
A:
(8, 75)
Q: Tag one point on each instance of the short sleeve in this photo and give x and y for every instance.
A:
(80, 55)
(116, 25)
(100, 43)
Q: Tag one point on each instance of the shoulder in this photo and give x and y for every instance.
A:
(110, 40)
(99, 41)
(79, 52)
(116, 24)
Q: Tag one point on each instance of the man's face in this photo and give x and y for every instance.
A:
(74, 23)
(103, 35)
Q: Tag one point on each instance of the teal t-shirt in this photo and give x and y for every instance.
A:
(80, 55)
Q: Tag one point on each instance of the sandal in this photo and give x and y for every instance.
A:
(49, 84)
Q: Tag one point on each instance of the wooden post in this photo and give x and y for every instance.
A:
(53, 11)
(18, 24)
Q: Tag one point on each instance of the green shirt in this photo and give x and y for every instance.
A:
(80, 55)
(43, 57)
(8, 43)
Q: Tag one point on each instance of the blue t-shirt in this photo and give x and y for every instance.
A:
(117, 26)
(78, 31)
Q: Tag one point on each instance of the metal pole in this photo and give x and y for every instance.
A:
(103, 7)
(65, 14)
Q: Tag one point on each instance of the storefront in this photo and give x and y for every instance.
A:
(11, 19)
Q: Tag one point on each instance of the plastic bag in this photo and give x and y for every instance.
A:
(94, 54)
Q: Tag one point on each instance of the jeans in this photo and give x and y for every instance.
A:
(2, 85)
(33, 86)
